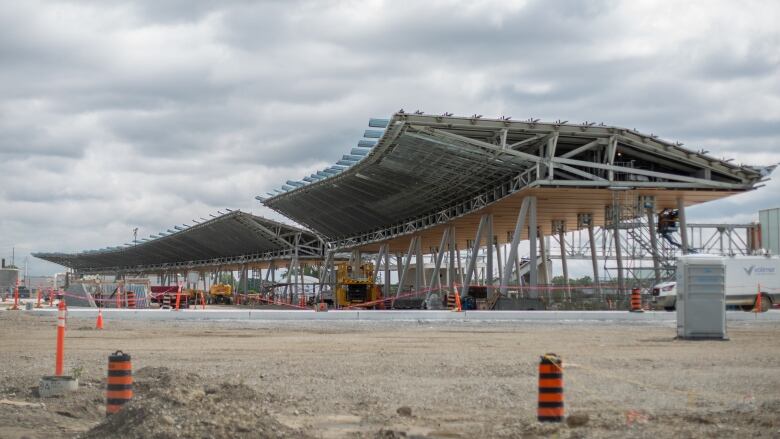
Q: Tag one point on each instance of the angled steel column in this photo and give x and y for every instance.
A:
(451, 281)
(543, 247)
(460, 268)
(618, 244)
(512, 258)
(586, 220)
(533, 237)
(499, 261)
(559, 227)
(325, 273)
(245, 276)
(399, 266)
(379, 256)
(475, 252)
(650, 211)
(419, 270)
(437, 263)
(405, 270)
(386, 291)
(489, 239)
(683, 225)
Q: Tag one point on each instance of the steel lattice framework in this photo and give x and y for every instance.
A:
(427, 170)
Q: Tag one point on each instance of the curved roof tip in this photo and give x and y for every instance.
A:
(378, 123)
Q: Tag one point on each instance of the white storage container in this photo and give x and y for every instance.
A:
(701, 297)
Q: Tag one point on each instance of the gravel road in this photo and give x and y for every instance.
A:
(392, 379)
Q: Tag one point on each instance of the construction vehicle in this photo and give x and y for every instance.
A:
(221, 293)
(356, 286)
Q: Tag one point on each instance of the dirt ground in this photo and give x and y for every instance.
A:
(390, 380)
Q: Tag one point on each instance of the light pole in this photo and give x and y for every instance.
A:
(135, 236)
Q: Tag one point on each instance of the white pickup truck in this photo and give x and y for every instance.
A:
(744, 276)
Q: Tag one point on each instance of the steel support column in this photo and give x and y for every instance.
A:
(618, 245)
(437, 264)
(650, 211)
(512, 258)
(483, 221)
(683, 225)
(533, 234)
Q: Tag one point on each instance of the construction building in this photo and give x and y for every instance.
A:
(466, 191)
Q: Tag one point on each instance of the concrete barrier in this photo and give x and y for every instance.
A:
(390, 315)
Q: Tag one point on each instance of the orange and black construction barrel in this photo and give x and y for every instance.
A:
(636, 300)
(131, 299)
(550, 389)
(119, 387)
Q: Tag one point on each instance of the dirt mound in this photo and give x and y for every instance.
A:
(168, 404)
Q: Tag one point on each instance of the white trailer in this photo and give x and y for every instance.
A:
(745, 276)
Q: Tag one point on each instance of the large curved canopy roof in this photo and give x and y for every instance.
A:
(423, 165)
(224, 239)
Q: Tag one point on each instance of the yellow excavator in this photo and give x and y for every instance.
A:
(356, 287)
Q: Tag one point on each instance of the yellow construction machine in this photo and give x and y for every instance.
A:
(221, 293)
(356, 286)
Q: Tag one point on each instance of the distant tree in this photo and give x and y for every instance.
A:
(583, 281)
(227, 279)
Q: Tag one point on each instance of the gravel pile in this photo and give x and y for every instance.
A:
(169, 404)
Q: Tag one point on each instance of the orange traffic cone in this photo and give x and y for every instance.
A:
(458, 307)
(99, 322)
(758, 305)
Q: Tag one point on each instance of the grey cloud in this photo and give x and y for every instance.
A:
(116, 115)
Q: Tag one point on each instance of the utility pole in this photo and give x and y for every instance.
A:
(135, 236)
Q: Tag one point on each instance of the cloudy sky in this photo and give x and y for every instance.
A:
(116, 114)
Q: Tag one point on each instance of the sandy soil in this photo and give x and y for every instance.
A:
(349, 379)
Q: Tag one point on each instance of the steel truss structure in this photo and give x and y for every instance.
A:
(503, 181)
(447, 186)
(647, 256)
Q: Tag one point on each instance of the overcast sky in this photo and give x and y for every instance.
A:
(116, 115)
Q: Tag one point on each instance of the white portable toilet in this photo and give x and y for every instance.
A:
(701, 297)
